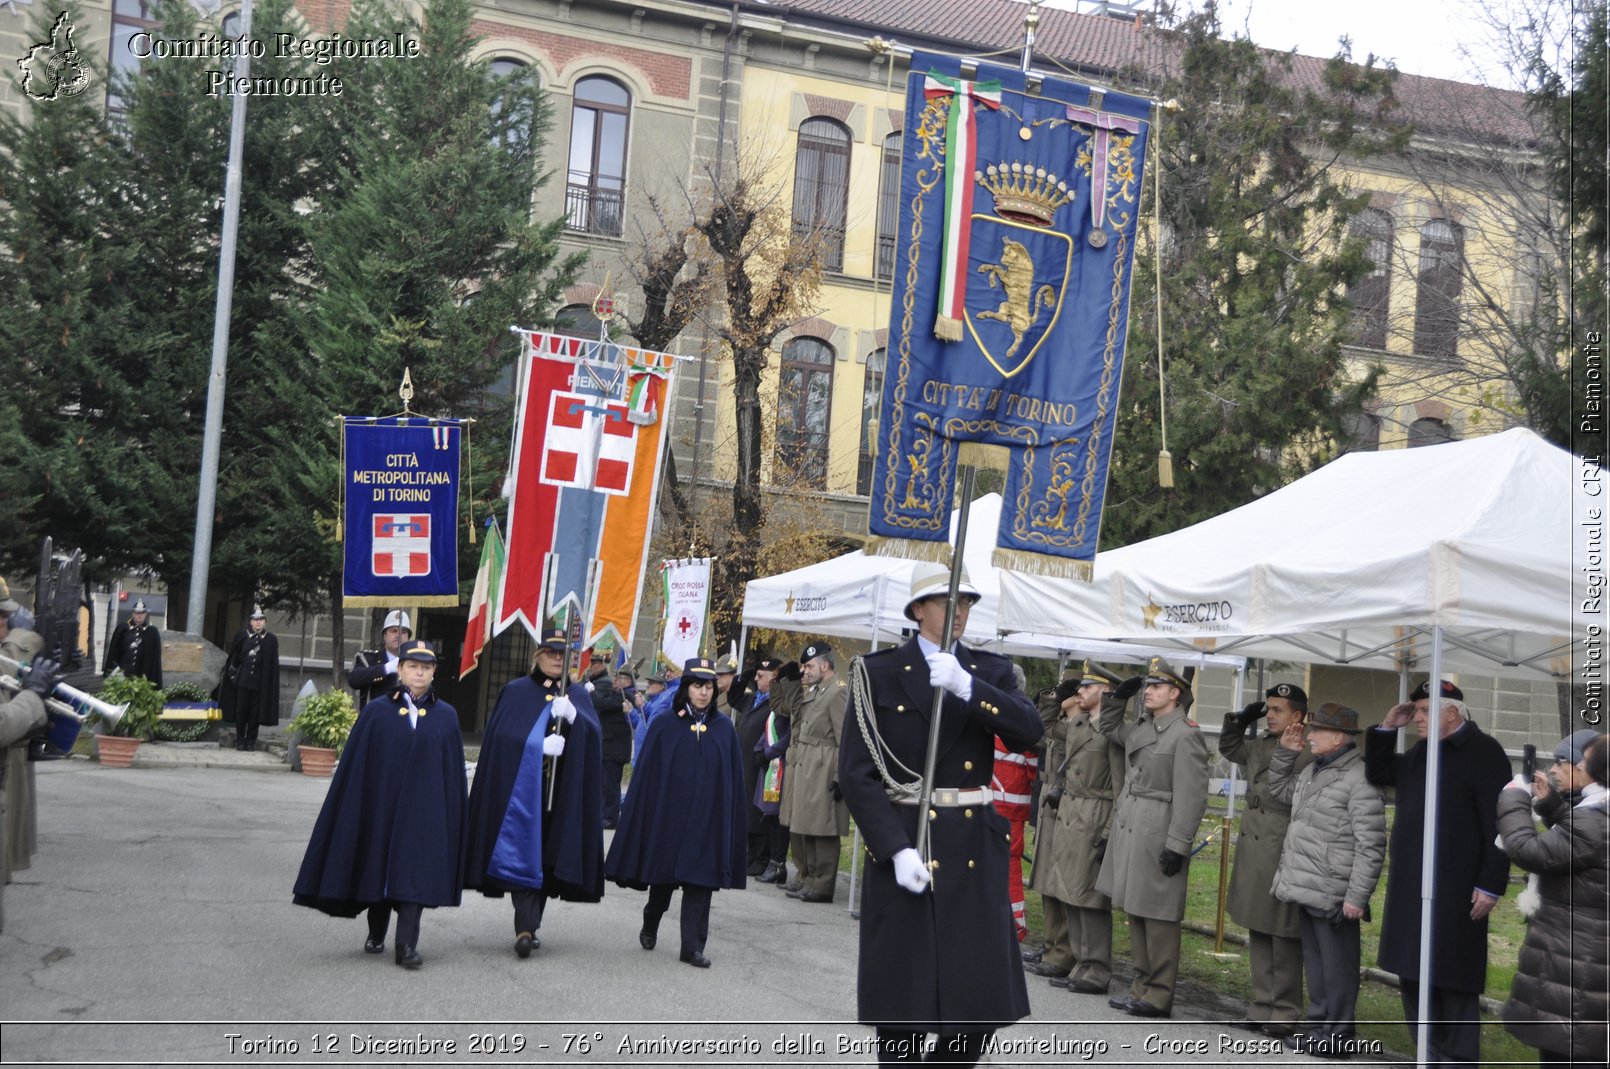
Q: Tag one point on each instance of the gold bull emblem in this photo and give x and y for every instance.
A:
(1023, 304)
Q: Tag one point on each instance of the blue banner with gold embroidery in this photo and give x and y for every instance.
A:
(1014, 248)
(400, 511)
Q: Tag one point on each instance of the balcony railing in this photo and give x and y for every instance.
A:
(593, 210)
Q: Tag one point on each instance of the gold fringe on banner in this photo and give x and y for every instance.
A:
(948, 329)
(983, 455)
(1021, 560)
(368, 601)
(908, 548)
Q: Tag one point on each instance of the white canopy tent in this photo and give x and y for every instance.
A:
(1463, 556)
(862, 597)
(1355, 565)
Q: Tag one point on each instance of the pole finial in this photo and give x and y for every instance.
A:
(406, 390)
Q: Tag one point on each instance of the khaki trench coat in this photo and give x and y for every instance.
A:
(816, 716)
(1163, 798)
(1065, 864)
(1252, 902)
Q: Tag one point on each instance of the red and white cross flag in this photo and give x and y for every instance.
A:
(401, 544)
(591, 444)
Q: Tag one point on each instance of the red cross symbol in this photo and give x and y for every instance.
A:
(684, 626)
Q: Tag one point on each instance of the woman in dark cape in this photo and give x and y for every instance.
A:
(250, 691)
(515, 842)
(683, 824)
(390, 834)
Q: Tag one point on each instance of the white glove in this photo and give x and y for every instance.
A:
(944, 670)
(589, 686)
(562, 709)
(909, 871)
(553, 745)
(1518, 784)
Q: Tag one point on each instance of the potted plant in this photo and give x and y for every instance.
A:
(118, 742)
(324, 723)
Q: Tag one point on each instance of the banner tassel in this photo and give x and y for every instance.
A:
(1022, 560)
(909, 549)
(948, 329)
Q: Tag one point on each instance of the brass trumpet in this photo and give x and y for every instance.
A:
(64, 698)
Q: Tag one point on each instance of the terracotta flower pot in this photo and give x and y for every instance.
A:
(116, 751)
(317, 761)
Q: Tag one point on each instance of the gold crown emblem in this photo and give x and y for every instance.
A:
(1157, 663)
(1031, 194)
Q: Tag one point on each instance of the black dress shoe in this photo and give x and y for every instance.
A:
(524, 944)
(1028, 953)
(240, 744)
(408, 957)
(792, 890)
(814, 896)
(755, 868)
(374, 946)
(1060, 981)
(695, 959)
(1139, 1007)
(1084, 987)
(647, 938)
(1043, 968)
(772, 873)
(1120, 1002)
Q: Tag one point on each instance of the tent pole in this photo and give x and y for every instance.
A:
(1428, 859)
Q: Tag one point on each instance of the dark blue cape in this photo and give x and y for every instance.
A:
(683, 821)
(392, 825)
(508, 831)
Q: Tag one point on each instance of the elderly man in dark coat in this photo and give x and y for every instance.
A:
(1148, 861)
(251, 684)
(390, 833)
(939, 951)
(1471, 872)
(683, 823)
(1274, 943)
(527, 837)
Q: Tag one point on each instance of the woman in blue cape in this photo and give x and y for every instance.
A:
(391, 830)
(521, 840)
(683, 824)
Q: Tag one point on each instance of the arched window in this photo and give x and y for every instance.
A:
(1371, 295)
(888, 206)
(576, 321)
(516, 131)
(1428, 430)
(822, 187)
(871, 406)
(595, 191)
(804, 396)
(1436, 311)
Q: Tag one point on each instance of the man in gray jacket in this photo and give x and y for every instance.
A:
(1335, 845)
(1148, 859)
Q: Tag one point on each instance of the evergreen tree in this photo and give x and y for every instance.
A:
(1255, 265)
(92, 449)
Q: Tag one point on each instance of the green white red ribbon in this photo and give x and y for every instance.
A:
(961, 161)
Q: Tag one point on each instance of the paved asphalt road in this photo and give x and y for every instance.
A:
(155, 926)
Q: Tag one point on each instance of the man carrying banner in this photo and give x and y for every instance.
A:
(527, 837)
(938, 949)
(374, 672)
(1149, 856)
(812, 809)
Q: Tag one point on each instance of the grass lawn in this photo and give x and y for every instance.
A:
(1380, 1012)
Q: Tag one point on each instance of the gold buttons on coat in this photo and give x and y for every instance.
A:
(967, 765)
(933, 814)
(969, 862)
(967, 812)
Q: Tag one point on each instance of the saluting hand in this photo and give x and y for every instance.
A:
(1398, 715)
(1292, 737)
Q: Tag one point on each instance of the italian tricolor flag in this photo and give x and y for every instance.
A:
(482, 610)
(961, 162)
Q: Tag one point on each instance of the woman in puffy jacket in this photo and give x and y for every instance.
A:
(1558, 1000)
(1329, 866)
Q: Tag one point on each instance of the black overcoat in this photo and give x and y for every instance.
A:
(392, 824)
(683, 819)
(1473, 770)
(948, 960)
(508, 798)
(610, 705)
(252, 676)
(751, 729)
(137, 651)
(369, 676)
